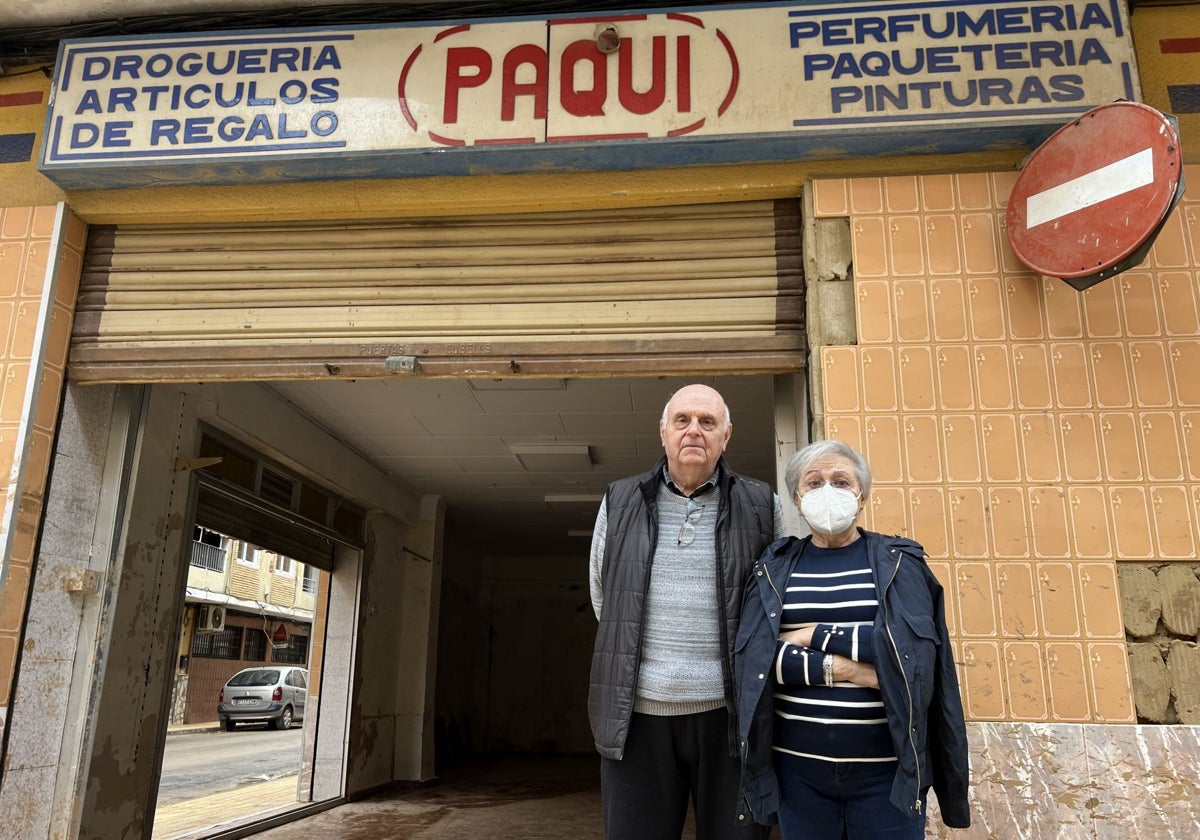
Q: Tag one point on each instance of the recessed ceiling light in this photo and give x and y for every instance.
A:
(562, 457)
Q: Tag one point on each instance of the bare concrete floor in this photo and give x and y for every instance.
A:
(500, 798)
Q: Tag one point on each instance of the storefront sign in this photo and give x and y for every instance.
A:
(613, 91)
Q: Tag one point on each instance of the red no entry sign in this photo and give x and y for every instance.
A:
(1091, 199)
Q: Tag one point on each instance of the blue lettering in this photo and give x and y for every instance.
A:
(1094, 15)
(129, 64)
(1093, 50)
(260, 126)
(1011, 57)
(324, 90)
(837, 32)
(1011, 21)
(293, 91)
(95, 67)
(231, 128)
(799, 30)
(285, 57)
(328, 57)
(158, 65)
(84, 135)
(842, 96)
(189, 64)
(324, 123)
(89, 102)
(1033, 88)
(815, 63)
(284, 132)
(194, 97)
(250, 61)
(114, 133)
(195, 130)
(1067, 88)
(254, 99)
(165, 130)
(121, 97)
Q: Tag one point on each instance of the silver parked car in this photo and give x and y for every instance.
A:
(275, 694)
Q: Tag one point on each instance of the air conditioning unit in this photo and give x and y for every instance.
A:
(212, 619)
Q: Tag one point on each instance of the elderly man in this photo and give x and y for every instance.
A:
(670, 555)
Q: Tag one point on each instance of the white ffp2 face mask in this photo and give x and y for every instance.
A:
(828, 509)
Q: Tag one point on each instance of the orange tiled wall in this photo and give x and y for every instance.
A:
(1029, 435)
(26, 235)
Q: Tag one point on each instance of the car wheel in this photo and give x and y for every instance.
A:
(284, 721)
(227, 724)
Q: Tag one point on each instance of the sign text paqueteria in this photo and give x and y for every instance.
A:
(765, 82)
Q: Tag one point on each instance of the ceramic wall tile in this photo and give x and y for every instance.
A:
(1026, 315)
(1174, 522)
(911, 309)
(887, 510)
(1151, 376)
(1039, 447)
(12, 263)
(1100, 598)
(1000, 447)
(974, 191)
(873, 311)
(937, 193)
(1189, 424)
(1138, 292)
(1009, 522)
(1110, 375)
(868, 239)
(884, 448)
(956, 377)
(901, 194)
(968, 508)
(33, 274)
(1064, 310)
(16, 222)
(839, 381)
(948, 301)
(1067, 671)
(922, 449)
(1170, 245)
(1131, 523)
(1017, 599)
(1102, 313)
(25, 327)
(1161, 446)
(1031, 373)
(982, 677)
(8, 309)
(960, 437)
(1025, 681)
(1119, 436)
(1112, 690)
(980, 238)
(942, 251)
(905, 245)
(1071, 375)
(831, 198)
(1057, 599)
(866, 196)
(1090, 521)
(45, 416)
(1080, 447)
(1002, 184)
(879, 379)
(1181, 315)
(985, 305)
(42, 224)
(917, 388)
(993, 376)
(1048, 522)
(929, 515)
(846, 427)
(976, 594)
(12, 388)
(1185, 361)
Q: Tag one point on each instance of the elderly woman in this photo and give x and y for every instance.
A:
(848, 704)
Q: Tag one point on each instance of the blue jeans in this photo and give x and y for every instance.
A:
(841, 800)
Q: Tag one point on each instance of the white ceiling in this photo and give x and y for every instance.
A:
(524, 462)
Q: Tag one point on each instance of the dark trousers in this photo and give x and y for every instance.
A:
(841, 800)
(669, 761)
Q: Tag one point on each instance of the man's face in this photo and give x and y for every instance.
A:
(695, 431)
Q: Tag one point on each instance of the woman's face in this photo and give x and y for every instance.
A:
(838, 472)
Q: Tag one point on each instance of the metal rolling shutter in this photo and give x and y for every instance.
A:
(688, 289)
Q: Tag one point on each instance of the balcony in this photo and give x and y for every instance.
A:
(208, 557)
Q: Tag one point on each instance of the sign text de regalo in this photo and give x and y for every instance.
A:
(783, 80)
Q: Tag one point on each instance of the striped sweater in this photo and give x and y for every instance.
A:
(832, 588)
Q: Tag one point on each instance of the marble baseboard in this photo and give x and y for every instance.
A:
(1055, 781)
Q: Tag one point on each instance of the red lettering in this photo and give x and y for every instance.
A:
(520, 55)
(631, 100)
(583, 103)
(459, 59)
(683, 74)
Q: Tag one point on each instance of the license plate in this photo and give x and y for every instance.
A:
(244, 701)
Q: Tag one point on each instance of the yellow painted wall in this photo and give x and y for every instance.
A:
(1029, 435)
(1167, 42)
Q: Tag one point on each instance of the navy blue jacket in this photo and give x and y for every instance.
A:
(914, 663)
